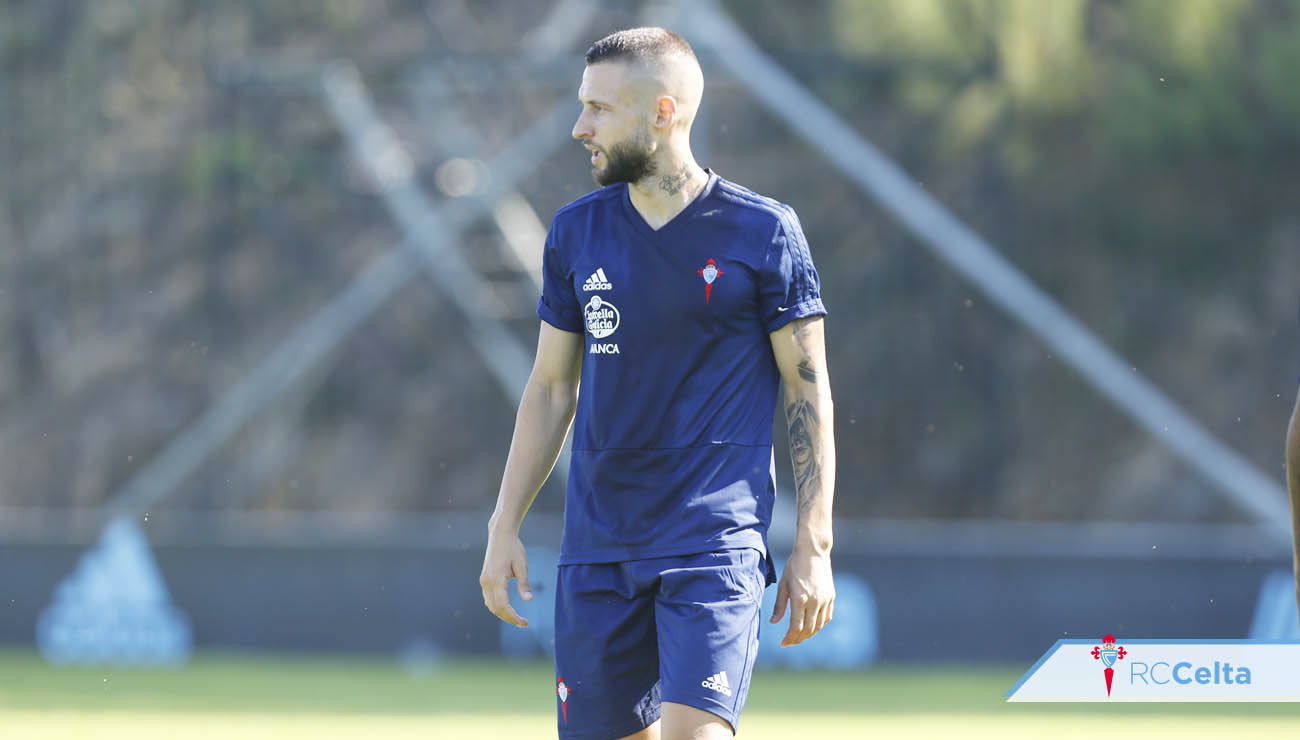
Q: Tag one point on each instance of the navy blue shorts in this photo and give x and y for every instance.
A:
(630, 635)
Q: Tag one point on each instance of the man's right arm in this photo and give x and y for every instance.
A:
(1293, 486)
(545, 413)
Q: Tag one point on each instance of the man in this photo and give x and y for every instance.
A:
(696, 297)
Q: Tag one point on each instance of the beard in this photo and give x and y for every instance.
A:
(627, 161)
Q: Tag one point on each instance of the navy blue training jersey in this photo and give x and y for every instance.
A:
(672, 443)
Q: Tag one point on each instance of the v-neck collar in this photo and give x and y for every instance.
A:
(638, 221)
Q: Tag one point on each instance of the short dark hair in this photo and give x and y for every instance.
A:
(645, 46)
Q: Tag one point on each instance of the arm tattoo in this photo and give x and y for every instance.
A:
(807, 369)
(805, 426)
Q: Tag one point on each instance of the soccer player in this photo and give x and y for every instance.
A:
(677, 302)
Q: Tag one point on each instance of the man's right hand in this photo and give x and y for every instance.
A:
(505, 559)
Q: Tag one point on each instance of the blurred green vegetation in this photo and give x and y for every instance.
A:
(1100, 107)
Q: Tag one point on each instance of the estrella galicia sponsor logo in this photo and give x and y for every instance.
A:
(601, 316)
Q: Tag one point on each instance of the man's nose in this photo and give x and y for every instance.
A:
(581, 129)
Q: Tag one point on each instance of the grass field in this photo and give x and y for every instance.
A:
(255, 697)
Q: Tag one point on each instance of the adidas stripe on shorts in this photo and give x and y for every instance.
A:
(631, 635)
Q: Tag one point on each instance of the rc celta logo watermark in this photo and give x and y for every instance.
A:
(1184, 672)
(1163, 670)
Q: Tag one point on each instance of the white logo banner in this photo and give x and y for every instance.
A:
(1110, 669)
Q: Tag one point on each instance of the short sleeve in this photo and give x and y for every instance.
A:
(558, 305)
(789, 288)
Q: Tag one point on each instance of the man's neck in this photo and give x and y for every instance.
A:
(660, 197)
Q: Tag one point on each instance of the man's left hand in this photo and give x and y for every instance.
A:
(807, 586)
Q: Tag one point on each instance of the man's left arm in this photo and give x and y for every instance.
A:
(806, 584)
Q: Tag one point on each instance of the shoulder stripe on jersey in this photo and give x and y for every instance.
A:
(786, 220)
(605, 193)
(746, 197)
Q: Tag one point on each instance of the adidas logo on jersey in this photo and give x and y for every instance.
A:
(717, 682)
(598, 281)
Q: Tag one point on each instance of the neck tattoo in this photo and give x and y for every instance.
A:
(673, 184)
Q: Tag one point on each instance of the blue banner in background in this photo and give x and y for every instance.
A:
(114, 608)
(426, 603)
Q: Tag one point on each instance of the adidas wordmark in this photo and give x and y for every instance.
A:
(717, 682)
(598, 281)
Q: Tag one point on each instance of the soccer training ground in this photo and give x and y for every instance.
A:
(256, 697)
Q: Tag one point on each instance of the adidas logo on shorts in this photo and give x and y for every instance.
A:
(598, 281)
(717, 682)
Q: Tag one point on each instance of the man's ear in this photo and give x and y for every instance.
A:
(665, 111)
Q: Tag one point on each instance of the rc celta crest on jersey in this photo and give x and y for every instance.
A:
(601, 317)
(709, 272)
